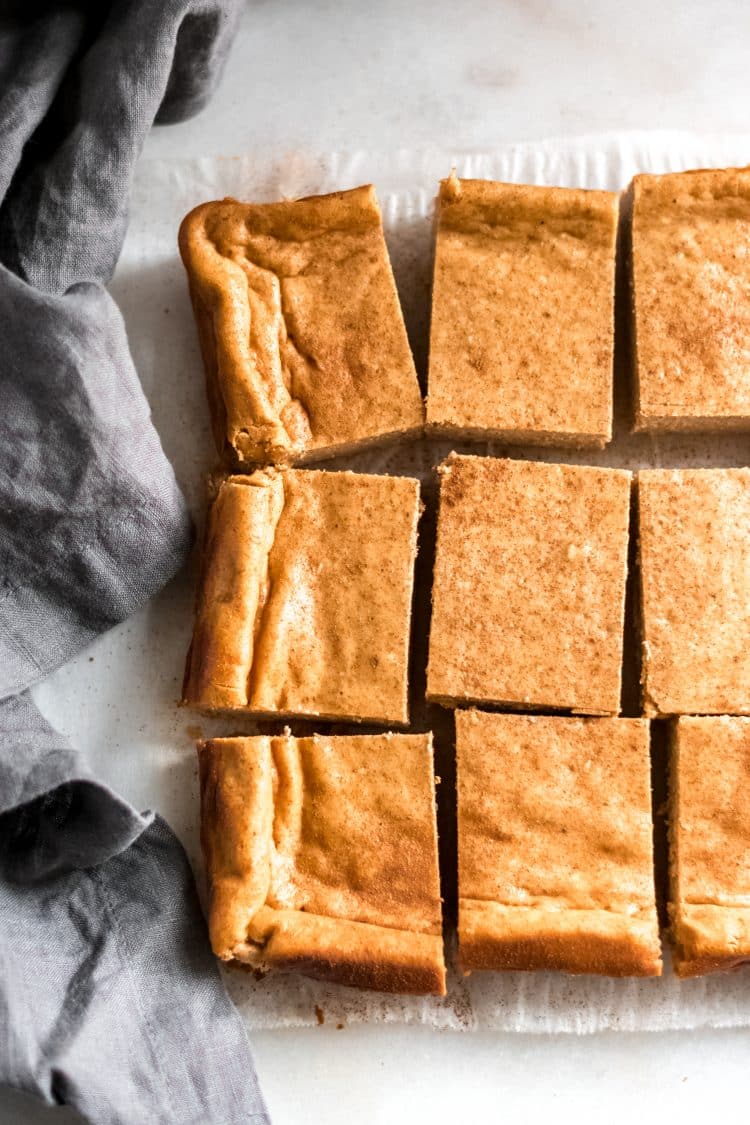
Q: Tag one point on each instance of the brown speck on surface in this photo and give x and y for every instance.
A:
(319, 1015)
(491, 74)
(339, 1027)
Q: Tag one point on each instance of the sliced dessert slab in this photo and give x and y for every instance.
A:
(690, 274)
(555, 845)
(304, 602)
(529, 585)
(710, 844)
(321, 855)
(694, 548)
(303, 339)
(522, 331)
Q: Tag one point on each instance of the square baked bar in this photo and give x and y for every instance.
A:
(522, 334)
(529, 585)
(709, 829)
(301, 330)
(555, 845)
(304, 602)
(691, 299)
(322, 857)
(694, 547)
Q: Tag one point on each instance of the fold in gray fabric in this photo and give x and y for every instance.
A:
(56, 815)
(91, 520)
(110, 1000)
(145, 1033)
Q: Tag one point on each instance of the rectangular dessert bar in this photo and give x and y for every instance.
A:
(303, 340)
(529, 585)
(522, 333)
(321, 856)
(304, 603)
(555, 845)
(709, 829)
(694, 558)
(690, 273)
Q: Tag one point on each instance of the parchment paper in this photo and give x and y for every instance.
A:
(118, 700)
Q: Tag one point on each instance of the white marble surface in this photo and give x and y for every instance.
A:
(471, 76)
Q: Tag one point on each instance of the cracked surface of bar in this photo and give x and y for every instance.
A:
(555, 845)
(709, 828)
(522, 331)
(529, 585)
(302, 335)
(304, 602)
(321, 855)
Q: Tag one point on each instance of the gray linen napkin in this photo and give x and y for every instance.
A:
(110, 1000)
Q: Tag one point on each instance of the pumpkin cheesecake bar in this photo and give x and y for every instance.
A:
(694, 547)
(303, 340)
(529, 585)
(555, 845)
(690, 272)
(709, 828)
(522, 333)
(322, 857)
(304, 601)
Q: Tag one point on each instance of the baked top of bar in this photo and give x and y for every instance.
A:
(304, 602)
(694, 545)
(303, 339)
(522, 332)
(710, 843)
(529, 585)
(691, 293)
(555, 844)
(321, 855)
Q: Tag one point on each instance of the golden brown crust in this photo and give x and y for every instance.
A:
(710, 844)
(236, 783)
(356, 954)
(304, 606)
(555, 845)
(511, 938)
(522, 331)
(321, 856)
(529, 585)
(303, 340)
(234, 589)
(709, 939)
(694, 566)
(690, 275)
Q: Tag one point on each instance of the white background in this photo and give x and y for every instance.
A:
(472, 76)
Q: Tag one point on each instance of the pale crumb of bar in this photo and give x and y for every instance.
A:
(522, 330)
